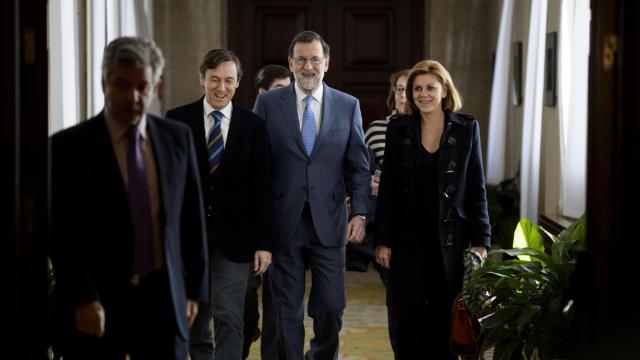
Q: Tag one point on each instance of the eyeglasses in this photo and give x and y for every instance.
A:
(301, 60)
(399, 89)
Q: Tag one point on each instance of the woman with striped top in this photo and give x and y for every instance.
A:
(395, 103)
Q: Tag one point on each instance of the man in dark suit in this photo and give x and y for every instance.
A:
(128, 237)
(233, 153)
(317, 147)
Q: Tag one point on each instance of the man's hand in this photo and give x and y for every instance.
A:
(192, 311)
(355, 230)
(261, 261)
(90, 319)
(383, 256)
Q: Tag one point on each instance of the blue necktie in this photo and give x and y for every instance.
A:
(215, 143)
(308, 126)
(139, 204)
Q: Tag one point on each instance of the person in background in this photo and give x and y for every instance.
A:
(233, 154)
(396, 99)
(127, 224)
(272, 77)
(317, 147)
(431, 207)
(267, 78)
(359, 255)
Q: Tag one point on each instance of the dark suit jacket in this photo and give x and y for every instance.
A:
(338, 157)
(238, 196)
(92, 234)
(463, 215)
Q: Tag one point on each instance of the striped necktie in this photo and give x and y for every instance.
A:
(215, 144)
(308, 126)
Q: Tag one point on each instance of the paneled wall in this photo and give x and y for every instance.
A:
(462, 35)
(185, 31)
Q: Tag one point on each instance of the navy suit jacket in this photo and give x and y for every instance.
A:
(238, 195)
(338, 157)
(92, 234)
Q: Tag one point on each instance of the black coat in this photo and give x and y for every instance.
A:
(463, 215)
(238, 196)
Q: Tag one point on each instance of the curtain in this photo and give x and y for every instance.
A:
(110, 19)
(532, 113)
(572, 105)
(64, 73)
(500, 98)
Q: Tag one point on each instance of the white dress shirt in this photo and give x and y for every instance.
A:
(301, 103)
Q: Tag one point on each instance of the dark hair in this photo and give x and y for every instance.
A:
(265, 76)
(393, 79)
(306, 37)
(132, 51)
(216, 57)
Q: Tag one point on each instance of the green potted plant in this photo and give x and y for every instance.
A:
(521, 303)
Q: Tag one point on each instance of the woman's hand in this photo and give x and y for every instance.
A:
(383, 256)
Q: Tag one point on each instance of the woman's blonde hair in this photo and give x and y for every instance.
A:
(451, 102)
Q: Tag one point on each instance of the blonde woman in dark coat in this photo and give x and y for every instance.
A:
(431, 207)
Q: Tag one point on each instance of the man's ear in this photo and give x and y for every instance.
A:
(261, 90)
(291, 63)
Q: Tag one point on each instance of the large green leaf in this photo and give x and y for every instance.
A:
(527, 235)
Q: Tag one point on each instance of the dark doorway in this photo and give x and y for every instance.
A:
(369, 40)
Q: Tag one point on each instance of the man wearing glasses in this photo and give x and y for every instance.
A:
(317, 148)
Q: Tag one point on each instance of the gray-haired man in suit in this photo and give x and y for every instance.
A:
(317, 148)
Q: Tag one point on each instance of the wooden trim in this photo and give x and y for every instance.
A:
(553, 223)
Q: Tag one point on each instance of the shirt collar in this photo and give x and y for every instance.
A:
(317, 93)
(118, 130)
(226, 111)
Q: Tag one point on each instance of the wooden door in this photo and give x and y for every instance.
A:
(369, 40)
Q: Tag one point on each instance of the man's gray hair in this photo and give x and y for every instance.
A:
(135, 52)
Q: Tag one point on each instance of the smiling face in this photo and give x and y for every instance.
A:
(220, 84)
(428, 92)
(307, 74)
(128, 92)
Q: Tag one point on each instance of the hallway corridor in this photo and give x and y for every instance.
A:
(364, 331)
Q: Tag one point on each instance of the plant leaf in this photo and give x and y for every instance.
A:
(527, 235)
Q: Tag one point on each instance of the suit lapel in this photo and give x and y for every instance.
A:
(289, 108)
(235, 130)
(107, 161)
(328, 115)
(161, 144)
(195, 119)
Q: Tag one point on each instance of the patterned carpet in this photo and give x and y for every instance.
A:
(364, 330)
